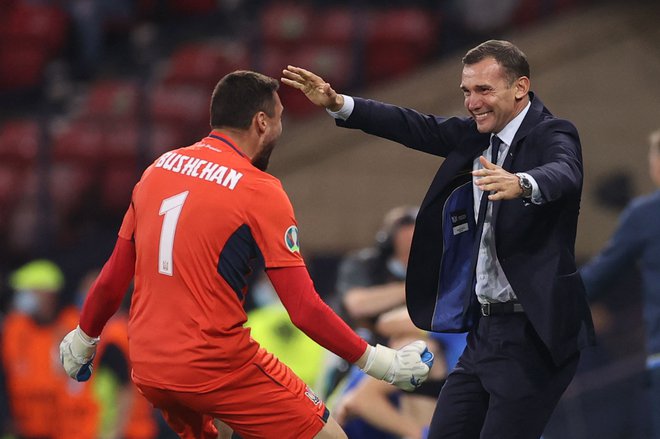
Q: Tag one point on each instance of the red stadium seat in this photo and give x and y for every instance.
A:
(286, 24)
(121, 142)
(37, 24)
(117, 186)
(335, 26)
(527, 12)
(203, 64)
(68, 184)
(192, 7)
(79, 141)
(398, 41)
(185, 105)
(165, 137)
(19, 142)
(113, 100)
(21, 65)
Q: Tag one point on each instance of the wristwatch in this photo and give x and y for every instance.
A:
(525, 185)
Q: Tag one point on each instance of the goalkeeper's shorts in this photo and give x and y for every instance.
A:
(263, 399)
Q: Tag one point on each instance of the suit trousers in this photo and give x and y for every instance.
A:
(505, 384)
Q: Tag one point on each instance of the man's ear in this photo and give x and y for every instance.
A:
(259, 120)
(522, 87)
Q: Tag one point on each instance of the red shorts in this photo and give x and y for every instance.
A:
(263, 399)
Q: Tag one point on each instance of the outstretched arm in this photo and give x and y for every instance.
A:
(78, 348)
(406, 368)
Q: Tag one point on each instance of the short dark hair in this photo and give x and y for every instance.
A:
(239, 96)
(505, 53)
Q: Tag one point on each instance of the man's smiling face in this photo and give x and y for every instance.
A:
(490, 97)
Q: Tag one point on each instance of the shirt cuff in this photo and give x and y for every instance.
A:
(345, 111)
(537, 196)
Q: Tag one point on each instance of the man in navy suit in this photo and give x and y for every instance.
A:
(493, 249)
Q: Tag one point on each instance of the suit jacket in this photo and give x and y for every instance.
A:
(535, 244)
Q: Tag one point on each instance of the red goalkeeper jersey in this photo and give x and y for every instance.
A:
(199, 216)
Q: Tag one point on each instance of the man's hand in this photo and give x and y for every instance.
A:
(77, 351)
(406, 368)
(315, 88)
(501, 184)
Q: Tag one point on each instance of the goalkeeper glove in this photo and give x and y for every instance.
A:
(77, 351)
(406, 368)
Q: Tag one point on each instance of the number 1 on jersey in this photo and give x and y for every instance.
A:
(171, 208)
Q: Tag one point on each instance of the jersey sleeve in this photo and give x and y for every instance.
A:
(107, 291)
(127, 229)
(313, 316)
(274, 226)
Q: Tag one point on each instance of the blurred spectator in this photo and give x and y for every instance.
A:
(636, 242)
(371, 281)
(271, 326)
(371, 287)
(42, 400)
(124, 412)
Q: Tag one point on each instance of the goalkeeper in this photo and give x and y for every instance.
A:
(198, 218)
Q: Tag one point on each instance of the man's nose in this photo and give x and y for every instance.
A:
(472, 102)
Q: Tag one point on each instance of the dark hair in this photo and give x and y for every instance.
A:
(394, 220)
(505, 53)
(239, 96)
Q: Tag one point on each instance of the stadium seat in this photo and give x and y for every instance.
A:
(112, 100)
(35, 23)
(336, 25)
(79, 141)
(286, 24)
(120, 143)
(528, 12)
(21, 65)
(204, 63)
(165, 137)
(68, 184)
(117, 184)
(398, 41)
(185, 105)
(19, 142)
(192, 7)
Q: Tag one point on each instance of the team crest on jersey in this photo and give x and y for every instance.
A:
(312, 396)
(291, 239)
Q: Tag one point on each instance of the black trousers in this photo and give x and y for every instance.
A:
(505, 384)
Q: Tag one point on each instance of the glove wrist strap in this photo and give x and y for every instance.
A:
(379, 363)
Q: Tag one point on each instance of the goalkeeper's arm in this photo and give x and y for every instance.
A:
(406, 368)
(78, 348)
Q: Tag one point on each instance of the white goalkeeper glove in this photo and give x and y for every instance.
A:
(406, 368)
(77, 351)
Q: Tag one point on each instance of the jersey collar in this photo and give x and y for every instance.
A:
(227, 141)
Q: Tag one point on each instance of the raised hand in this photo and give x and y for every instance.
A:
(501, 184)
(313, 86)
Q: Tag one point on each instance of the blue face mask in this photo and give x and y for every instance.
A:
(397, 269)
(26, 301)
